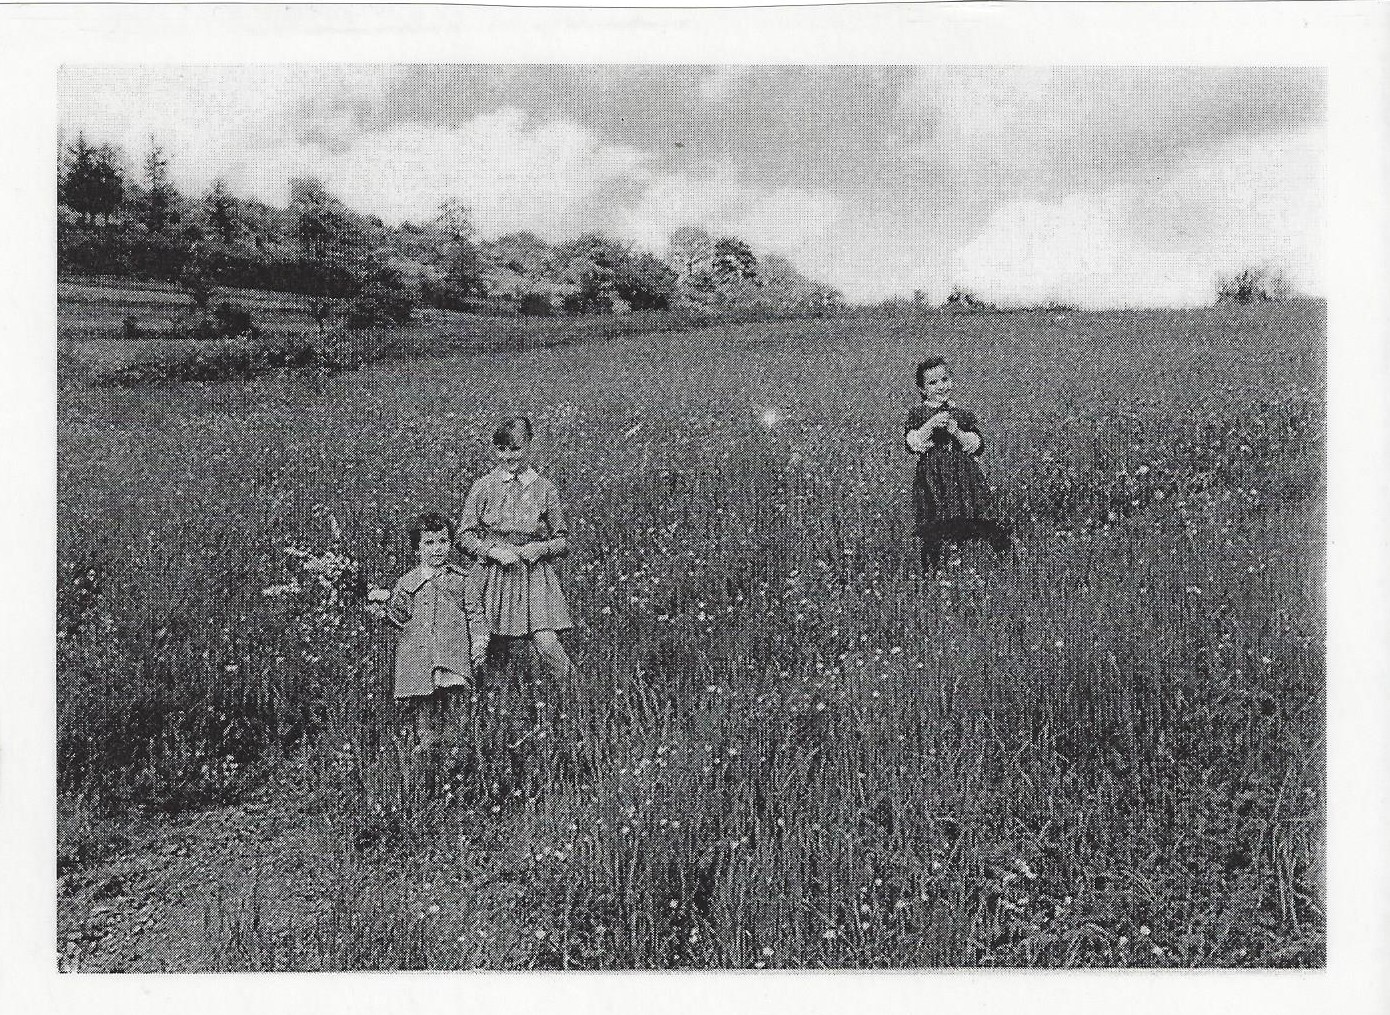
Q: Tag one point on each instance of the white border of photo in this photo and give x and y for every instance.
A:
(1348, 38)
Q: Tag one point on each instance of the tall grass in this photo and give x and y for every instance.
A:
(784, 747)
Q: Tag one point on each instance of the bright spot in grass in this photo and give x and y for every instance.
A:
(770, 418)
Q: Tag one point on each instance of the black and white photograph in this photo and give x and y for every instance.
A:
(691, 514)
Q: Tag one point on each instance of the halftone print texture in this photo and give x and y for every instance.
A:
(757, 646)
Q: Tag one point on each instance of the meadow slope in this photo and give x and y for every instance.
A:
(784, 746)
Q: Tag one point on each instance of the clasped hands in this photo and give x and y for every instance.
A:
(919, 438)
(508, 555)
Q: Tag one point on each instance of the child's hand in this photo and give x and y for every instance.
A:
(939, 420)
(478, 650)
(531, 552)
(376, 602)
(504, 555)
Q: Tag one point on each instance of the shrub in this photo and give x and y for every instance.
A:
(536, 305)
(103, 252)
(385, 300)
(961, 300)
(233, 321)
(85, 252)
(1251, 285)
(442, 295)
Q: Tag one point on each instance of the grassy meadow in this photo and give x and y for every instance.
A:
(784, 747)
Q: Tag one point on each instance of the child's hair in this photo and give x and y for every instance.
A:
(930, 363)
(430, 521)
(513, 433)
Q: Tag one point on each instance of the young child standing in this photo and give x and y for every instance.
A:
(951, 499)
(443, 629)
(513, 527)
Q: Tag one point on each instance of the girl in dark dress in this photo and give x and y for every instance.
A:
(951, 499)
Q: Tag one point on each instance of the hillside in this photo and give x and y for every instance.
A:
(784, 747)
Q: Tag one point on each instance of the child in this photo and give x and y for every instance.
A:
(949, 492)
(513, 526)
(444, 634)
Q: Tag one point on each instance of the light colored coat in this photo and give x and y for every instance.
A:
(434, 609)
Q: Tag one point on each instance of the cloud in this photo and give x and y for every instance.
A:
(1218, 208)
(547, 177)
(257, 127)
(1098, 185)
(1040, 132)
(225, 120)
(802, 224)
(718, 84)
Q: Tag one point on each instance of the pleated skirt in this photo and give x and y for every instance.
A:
(521, 599)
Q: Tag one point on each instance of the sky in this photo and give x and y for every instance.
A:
(1097, 186)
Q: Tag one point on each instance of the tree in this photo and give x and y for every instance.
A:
(522, 253)
(463, 261)
(321, 221)
(160, 196)
(93, 184)
(590, 265)
(466, 270)
(690, 251)
(734, 261)
(645, 282)
(221, 210)
(734, 269)
(455, 220)
(1252, 285)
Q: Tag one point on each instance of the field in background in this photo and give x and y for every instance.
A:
(785, 748)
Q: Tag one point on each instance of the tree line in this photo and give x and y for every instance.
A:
(116, 222)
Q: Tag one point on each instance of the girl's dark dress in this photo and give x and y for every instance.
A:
(951, 499)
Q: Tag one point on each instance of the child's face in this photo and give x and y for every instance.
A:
(513, 459)
(936, 384)
(434, 547)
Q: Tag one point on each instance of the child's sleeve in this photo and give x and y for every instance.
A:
(968, 432)
(400, 606)
(558, 544)
(470, 526)
(913, 438)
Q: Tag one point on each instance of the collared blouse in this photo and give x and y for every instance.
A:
(516, 509)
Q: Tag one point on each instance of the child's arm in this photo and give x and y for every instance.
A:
(472, 536)
(558, 544)
(470, 526)
(400, 606)
(966, 431)
(918, 430)
(914, 433)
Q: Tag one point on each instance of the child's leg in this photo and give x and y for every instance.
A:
(479, 640)
(424, 711)
(552, 653)
(479, 630)
(997, 534)
(931, 548)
